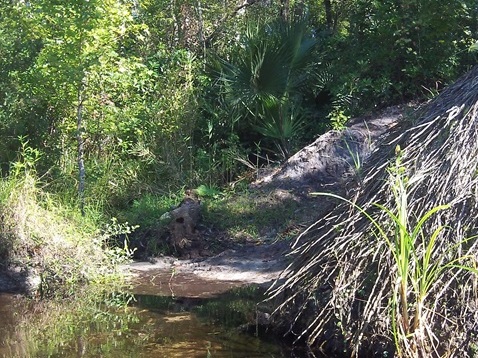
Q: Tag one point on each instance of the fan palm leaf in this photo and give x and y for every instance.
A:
(264, 80)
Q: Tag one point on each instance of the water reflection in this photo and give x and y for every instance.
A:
(138, 325)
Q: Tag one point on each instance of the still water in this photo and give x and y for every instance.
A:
(158, 316)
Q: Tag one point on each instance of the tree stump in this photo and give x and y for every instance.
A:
(184, 220)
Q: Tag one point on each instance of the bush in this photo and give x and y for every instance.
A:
(52, 244)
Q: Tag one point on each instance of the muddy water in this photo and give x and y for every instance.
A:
(168, 316)
(7, 320)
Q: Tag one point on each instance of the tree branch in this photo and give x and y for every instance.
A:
(226, 17)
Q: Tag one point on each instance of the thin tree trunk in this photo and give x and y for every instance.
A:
(329, 16)
(202, 39)
(80, 143)
(176, 25)
(285, 9)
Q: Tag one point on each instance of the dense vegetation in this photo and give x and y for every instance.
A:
(108, 108)
(127, 99)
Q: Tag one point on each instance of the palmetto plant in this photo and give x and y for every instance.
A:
(265, 78)
(281, 122)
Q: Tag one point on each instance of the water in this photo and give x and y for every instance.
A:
(165, 317)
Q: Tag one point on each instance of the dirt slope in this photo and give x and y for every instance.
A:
(326, 164)
(334, 156)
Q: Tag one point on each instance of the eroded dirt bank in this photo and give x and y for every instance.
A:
(327, 164)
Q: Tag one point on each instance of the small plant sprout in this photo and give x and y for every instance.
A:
(356, 158)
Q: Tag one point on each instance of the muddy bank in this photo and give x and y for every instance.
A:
(259, 264)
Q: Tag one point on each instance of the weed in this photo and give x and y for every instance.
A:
(338, 118)
(208, 192)
(356, 158)
(419, 263)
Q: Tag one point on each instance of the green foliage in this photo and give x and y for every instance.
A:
(178, 94)
(207, 192)
(25, 165)
(147, 210)
(338, 119)
(112, 231)
(392, 52)
(263, 82)
(51, 241)
(218, 140)
(160, 110)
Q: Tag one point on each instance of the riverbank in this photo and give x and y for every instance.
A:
(252, 247)
(259, 264)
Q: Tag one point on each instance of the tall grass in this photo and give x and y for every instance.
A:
(51, 243)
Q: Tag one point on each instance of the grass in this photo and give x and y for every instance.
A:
(146, 210)
(51, 242)
(356, 159)
(254, 215)
(418, 264)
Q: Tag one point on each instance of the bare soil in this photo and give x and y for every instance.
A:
(331, 163)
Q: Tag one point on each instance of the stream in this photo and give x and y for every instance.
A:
(160, 315)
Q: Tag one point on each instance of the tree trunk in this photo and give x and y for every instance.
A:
(80, 144)
(202, 39)
(328, 16)
(175, 33)
(285, 9)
